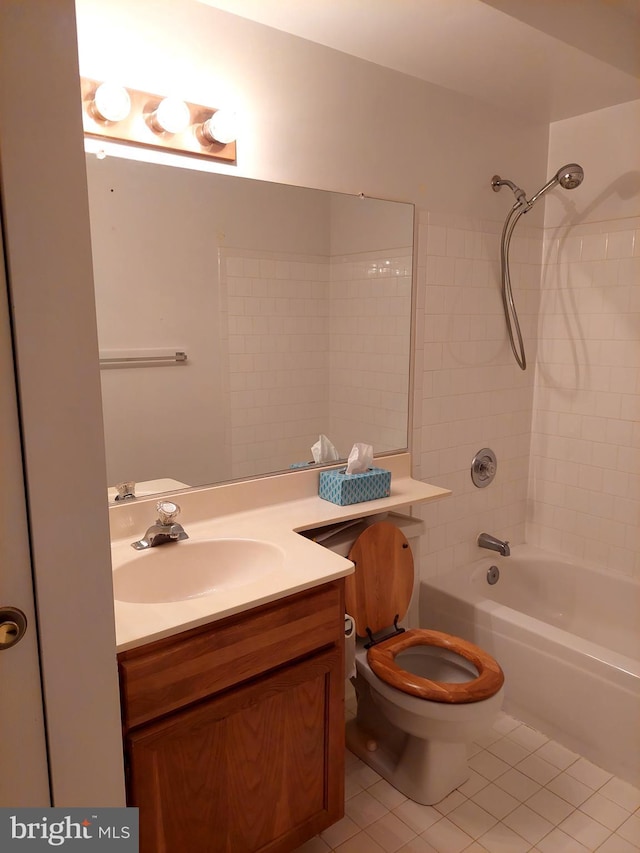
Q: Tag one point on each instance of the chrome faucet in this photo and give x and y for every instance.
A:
(165, 529)
(126, 491)
(486, 540)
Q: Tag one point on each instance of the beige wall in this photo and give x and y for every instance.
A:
(309, 116)
(316, 117)
(46, 230)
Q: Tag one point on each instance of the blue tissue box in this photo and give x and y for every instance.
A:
(344, 489)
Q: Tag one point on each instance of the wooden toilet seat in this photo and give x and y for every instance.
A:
(378, 593)
(490, 679)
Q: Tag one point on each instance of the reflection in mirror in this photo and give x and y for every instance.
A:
(292, 305)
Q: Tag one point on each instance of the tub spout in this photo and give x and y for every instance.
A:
(486, 540)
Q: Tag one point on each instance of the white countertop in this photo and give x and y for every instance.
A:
(305, 564)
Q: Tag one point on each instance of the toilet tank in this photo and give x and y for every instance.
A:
(340, 537)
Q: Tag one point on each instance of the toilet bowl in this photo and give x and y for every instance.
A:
(422, 696)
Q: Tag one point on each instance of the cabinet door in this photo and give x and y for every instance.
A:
(260, 767)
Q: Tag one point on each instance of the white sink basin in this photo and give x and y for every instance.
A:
(177, 571)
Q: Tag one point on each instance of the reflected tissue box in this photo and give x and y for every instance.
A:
(344, 489)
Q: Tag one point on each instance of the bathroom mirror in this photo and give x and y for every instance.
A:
(289, 309)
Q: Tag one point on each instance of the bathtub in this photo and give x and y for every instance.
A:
(568, 639)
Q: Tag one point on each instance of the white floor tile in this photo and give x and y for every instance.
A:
(607, 812)
(569, 789)
(556, 754)
(446, 837)
(509, 751)
(351, 760)
(505, 724)
(452, 801)
(622, 793)
(386, 794)
(418, 845)
(364, 809)
(495, 801)
(416, 816)
(630, 830)
(390, 833)
(559, 842)
(472, 819)
(585, 829)
(315, 845)
(528, 737)
(360, 843)
(339, 832)
(528, 824)
(518, 785)
(587, 773)
(488, 765)
(501, 839)
(474, 783)
(525, 794)
(363, 775)
(487, 739)
(537, 769)
(550, 806)
(351, 787)
(616, 844)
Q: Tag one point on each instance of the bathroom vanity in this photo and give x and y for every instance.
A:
(233, 699)
(234, 732)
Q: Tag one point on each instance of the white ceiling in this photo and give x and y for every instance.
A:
(542, 59)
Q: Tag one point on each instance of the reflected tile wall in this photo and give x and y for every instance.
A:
(313, 345)
(370, 349)
(276, 318)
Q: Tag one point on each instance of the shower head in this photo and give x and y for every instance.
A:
(570, 176)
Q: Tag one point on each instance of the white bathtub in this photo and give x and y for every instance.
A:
(568, 640)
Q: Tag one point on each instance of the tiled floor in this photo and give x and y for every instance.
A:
(526, 793)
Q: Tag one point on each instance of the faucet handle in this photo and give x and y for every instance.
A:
(168, 511)
(126, 491)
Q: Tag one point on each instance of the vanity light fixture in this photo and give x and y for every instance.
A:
(221, 127)
(111, 102)
(171, 116)
(149, 120)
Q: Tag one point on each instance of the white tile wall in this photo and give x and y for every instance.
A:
(469, 392)
(585, 473)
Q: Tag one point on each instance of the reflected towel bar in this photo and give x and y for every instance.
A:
(150, 358)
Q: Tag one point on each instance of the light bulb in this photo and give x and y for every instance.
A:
(172, 115)
(111, 102)
(221, 127)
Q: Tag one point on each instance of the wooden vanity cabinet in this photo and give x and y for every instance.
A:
(234, 731)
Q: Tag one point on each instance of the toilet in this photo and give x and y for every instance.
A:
(422, 696)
